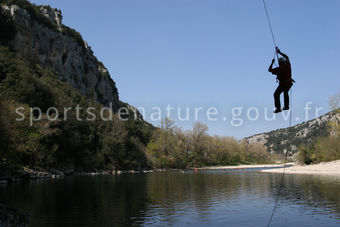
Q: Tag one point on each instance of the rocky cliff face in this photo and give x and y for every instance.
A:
(289, 139)
(41, 36)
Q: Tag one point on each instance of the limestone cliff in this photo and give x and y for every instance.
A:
(289, 139)
(41, 36)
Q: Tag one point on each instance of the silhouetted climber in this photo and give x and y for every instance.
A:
(284, 76)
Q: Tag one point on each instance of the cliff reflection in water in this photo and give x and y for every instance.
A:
(236, 198)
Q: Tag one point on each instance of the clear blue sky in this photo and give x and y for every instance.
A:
(212, 53)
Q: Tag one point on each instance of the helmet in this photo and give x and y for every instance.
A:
(282, 61)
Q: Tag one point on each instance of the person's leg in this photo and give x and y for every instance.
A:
(277, 94)
(286, 98)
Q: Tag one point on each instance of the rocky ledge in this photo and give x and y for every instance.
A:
(19, 174)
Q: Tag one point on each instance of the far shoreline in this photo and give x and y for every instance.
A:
(250, 166)
(323, 168)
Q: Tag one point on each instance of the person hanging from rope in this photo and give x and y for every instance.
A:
(284, 77)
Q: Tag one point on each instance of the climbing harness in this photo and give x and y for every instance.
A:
(290, 121)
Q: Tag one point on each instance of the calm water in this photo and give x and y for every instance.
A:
(208, 198)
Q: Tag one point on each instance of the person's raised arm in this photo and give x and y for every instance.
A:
(282, 54)
(270, 69)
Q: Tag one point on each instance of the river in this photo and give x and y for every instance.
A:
(204, 198)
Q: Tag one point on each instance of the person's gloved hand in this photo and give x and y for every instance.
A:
(277, 50)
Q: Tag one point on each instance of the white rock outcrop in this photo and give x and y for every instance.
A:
(63, 50)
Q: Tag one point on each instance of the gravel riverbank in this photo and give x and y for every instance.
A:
(324, 168)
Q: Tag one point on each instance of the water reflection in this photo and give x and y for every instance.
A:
(85, 201)
(214, 198)
(320, 192)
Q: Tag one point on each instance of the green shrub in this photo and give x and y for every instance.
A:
(322, 149)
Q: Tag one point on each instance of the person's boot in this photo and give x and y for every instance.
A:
(286, 108)
(278, 110)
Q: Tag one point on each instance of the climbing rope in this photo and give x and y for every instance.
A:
(275, 55)
(291, 101)
(284, 166)
(270, 26)
(290, 121)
